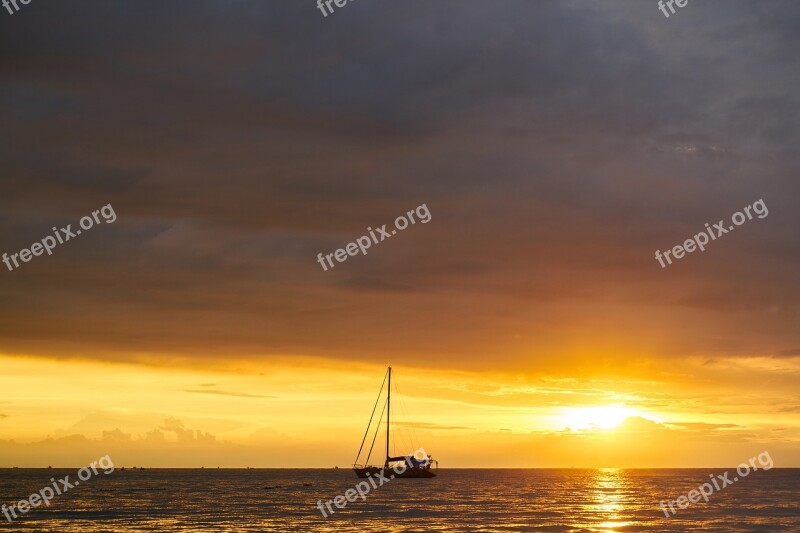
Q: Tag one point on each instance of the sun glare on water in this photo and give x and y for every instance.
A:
(602, 417)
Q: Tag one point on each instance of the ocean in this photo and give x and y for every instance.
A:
(199, 500)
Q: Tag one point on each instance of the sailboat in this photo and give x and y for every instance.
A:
(405, 466)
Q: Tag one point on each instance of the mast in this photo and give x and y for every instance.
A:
(388, 411)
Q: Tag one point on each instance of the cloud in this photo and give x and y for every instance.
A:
(701, 426)
(173, 425)
(542, 135)
(428, 425)
(642, 425)
(227, 393)
(168, 446)
(374, 285)
(634, 424)
(116, 434)
(789, 353)
(172, 444)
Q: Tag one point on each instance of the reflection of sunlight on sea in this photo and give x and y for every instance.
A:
(610, 500)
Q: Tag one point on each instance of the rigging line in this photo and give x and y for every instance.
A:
(370, 417)
(376, 433)
(394, 435)
(394, 441)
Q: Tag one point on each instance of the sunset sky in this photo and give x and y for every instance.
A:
(557, 145)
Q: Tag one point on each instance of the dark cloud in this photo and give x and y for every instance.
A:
(373, 285)
(557, 144)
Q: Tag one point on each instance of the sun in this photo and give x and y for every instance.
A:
(602, 417)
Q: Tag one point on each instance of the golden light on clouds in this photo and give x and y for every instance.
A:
(312, 412)
(603, 416)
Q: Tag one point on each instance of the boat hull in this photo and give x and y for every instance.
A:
(390, 473)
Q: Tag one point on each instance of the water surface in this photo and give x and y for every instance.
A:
(456, 500)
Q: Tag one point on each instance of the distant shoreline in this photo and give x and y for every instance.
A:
(347, 470)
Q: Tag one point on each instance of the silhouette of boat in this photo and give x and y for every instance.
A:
(404, 466)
